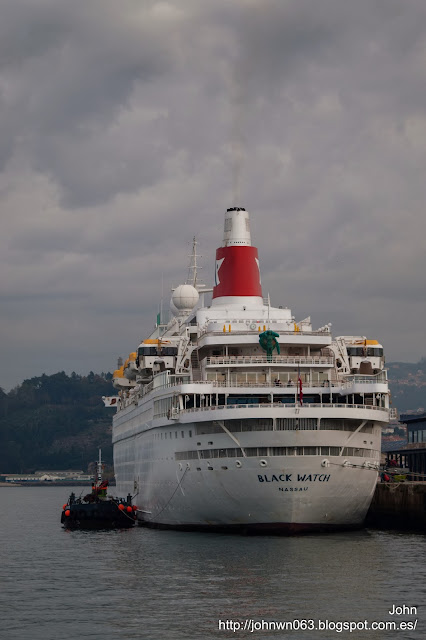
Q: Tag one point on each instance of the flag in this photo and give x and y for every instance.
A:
(158, 318)
(300, 391)
(110, 401)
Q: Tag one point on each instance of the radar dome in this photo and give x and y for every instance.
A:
(184, 298)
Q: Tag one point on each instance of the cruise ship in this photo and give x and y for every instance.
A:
(237, 416)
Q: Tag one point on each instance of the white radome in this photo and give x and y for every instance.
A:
(184, 298)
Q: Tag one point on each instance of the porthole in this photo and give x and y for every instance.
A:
(263, 463)
(238, 464)
(224, 468)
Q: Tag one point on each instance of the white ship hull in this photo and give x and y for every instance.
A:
(290, 493)
(236, 499)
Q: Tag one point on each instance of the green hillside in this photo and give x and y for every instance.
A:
(55, 422)
(407, 382)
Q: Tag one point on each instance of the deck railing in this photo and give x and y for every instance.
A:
(280, 405)
(357, 379)
(323, 386)
(249, 331)
(308, 387)
(262, 360)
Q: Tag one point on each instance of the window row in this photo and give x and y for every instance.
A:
(278, 378)
(418, 435)
(207, 454)
(164, 406)
(282, 424)
(170, 435)
(236, 426)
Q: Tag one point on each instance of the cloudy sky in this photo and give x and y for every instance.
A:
(127, 127)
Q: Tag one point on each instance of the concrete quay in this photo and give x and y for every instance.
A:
(398, 505)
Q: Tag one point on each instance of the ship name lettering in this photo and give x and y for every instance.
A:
(283, 477)
(313, 477)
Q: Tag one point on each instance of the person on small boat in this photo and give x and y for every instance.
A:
(98, 492)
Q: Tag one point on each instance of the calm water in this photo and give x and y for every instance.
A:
(142, 583)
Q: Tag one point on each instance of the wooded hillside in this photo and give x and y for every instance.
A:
(55, 422)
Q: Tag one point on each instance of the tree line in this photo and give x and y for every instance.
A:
(55, 422)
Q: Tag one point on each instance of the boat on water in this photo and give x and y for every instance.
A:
(97, 510)
(235, 416)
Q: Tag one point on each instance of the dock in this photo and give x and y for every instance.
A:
(398, 505)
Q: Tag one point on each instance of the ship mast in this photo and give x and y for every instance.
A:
(99, 467)
(192, 277)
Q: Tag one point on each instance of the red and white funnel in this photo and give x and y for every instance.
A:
(237, 275)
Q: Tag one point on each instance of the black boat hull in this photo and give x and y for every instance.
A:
(98, 515)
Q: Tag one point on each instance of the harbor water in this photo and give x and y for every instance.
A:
(143, 583)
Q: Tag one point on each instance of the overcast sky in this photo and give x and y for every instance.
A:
(127, 127)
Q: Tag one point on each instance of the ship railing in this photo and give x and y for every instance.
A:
(357, 379)
(318, 386)
(243, 360)
(321, 387)
(249, 331)
(148, 387)
(281, 405)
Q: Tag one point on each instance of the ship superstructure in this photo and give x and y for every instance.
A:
(235, 415)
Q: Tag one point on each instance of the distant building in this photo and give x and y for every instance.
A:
(393, 414)
(49, 476)
(413, 455)
(63, 474)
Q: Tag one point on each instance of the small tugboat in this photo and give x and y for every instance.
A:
(96, 510)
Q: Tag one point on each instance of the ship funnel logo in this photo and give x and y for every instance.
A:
(237, 272)
(218, 266)
(258, 266)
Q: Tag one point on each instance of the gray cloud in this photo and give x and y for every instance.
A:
(126, 128)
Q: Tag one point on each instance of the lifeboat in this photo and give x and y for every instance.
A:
(149, 352)
(130, 369)
(119, 381)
